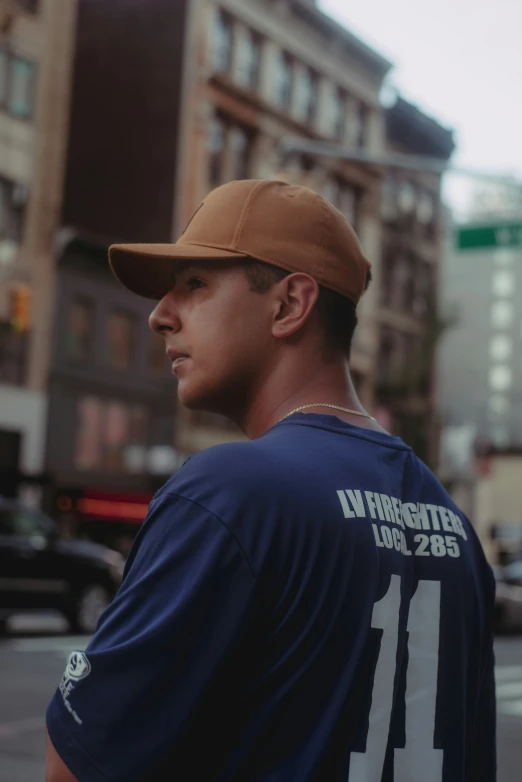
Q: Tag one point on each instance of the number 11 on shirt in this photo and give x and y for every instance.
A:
(419, 759)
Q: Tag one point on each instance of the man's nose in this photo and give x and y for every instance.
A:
(164, 317)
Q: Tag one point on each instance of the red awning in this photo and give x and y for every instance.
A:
(107, 506)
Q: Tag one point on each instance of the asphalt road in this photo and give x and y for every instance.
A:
(32, 659)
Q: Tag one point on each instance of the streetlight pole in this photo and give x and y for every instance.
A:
(289, 147)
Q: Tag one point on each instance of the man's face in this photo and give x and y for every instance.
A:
(217, 334)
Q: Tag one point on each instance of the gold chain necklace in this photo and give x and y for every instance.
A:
(324, 404)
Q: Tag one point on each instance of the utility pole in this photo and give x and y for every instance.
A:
(495, 234)
(289, 147)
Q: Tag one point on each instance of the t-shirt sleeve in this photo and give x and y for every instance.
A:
(183, 605)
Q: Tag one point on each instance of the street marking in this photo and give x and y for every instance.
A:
(37, 645)
(512, 708)
(10, 729)
(509, 690)
(508, 672)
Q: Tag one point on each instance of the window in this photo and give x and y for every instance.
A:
(500, 378)
(80, 328)
(89, 434)
(223, 39)
(387, 276)
(499, 405)
(409, 285)
(357, 124)
(21, 87)
(230, 148)
(349, 204)
(423, 289)
(308, 93)
(120, 339)
(389, 197)
(362, 125)
(407, 198)
(339, 114)
(106, 429)
(426, 208)
(390, 356)
(158, 361)
(501, 347)
(503, 257)
(4, 77)
(17, 81)
(284, 81)
(240, 153)
(216, 146)
(12, 213)
(331, 191)
(344, 197)
(502, 314)
(427, 213)
(115, 435)
(250, 60)
(503, 283)
(139, 424)
(126, 426)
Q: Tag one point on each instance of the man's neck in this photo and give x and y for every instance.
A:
(284, 391)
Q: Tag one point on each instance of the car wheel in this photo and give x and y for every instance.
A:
(90, 605)
(4, 627)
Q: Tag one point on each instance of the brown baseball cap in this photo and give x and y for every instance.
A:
(284, 225)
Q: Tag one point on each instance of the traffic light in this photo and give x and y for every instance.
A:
(21, 308)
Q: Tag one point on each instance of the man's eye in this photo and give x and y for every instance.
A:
(195, 282)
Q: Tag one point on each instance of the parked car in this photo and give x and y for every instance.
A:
(508, 601)
(40, 571)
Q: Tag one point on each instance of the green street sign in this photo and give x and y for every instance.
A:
(487, 237)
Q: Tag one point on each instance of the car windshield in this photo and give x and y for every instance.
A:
(24, 522)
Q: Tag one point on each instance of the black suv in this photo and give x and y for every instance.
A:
(40, 571)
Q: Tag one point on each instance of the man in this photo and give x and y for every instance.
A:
(309, 605)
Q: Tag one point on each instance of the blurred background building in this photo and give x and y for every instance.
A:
(120, 140)
(413, 244)
(36, 46)
(262, 72)
(480, 369)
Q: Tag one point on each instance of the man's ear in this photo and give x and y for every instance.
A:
(295, 298)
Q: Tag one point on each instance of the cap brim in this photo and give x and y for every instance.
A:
(146, 269)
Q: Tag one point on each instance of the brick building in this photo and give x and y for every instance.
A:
(36, 51)
(262, 71)
(413, 245)
(204, 92)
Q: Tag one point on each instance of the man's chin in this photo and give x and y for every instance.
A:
(192, 398)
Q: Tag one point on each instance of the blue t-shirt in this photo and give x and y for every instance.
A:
(309, 606)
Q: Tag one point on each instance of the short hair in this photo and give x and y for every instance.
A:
(337, 314)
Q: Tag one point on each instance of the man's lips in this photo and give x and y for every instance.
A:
(177, 357)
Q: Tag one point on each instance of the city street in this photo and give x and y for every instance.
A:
(33, 657)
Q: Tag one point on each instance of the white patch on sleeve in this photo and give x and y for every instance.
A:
(78, 667)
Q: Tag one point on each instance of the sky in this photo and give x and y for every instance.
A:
(460, 61)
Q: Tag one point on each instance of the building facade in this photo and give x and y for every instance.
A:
(202, 93)
(110, 435)
(111, 411)
(413, 246)
(262, 71)
(497, 499)
(480, 361)
(36, 52)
